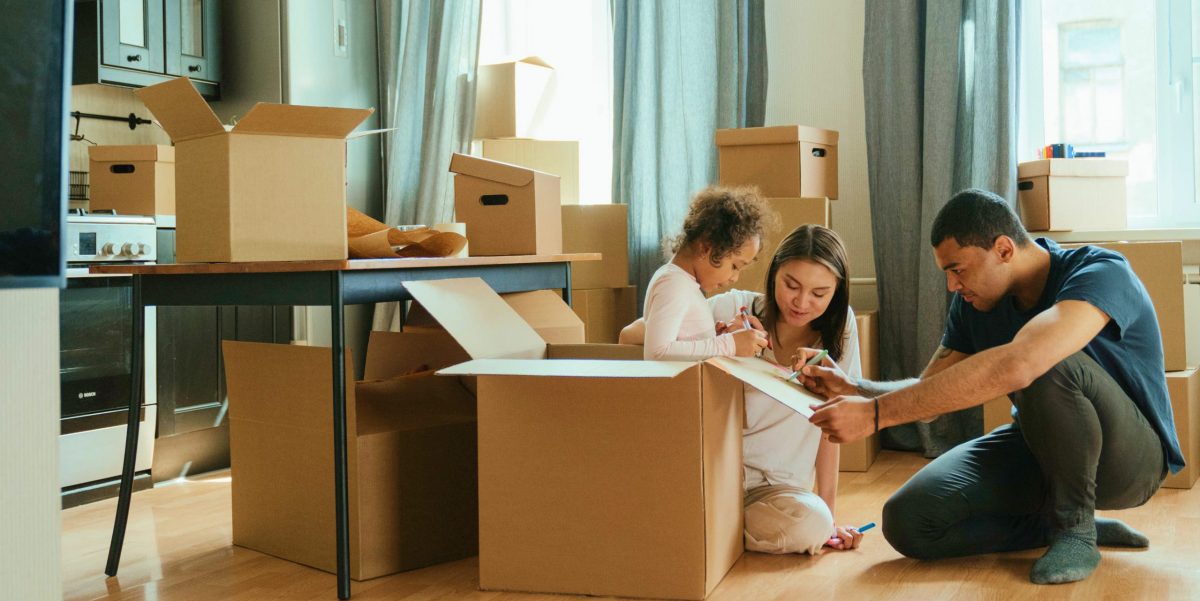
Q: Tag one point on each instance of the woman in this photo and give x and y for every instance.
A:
(791, 472)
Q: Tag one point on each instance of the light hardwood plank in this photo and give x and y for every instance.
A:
(178, 548)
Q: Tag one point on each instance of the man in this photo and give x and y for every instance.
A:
(1072, 338)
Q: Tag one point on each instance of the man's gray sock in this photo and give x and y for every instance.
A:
(1072, 556)
(1115, 533)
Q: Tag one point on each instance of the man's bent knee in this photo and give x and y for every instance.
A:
(904, 524)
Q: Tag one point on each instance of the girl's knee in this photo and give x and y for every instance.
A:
(788, 524)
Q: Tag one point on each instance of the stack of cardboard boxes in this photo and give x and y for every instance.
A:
(510, 104)
(795, 168)
(1083, 195)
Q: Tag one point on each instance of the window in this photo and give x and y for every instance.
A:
(575, 38)
(1116, 76)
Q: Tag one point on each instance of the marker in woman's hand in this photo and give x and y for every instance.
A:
(816, 360)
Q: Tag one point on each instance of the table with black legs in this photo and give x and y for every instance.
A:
(334, 284)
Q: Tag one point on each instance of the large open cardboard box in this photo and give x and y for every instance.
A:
(619, 478)
(602, 229)
(411, 452)
(1159, 265)
(1072, 194)
(132, 180)
(793, 213)
(271, 189)
(509, 210)
(556, 157)
(784, 161)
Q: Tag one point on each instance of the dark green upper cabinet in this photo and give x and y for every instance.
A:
(192, 48)
(140, 43)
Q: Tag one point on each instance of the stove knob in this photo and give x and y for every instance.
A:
(127, 249)
(109, 249)
(143, 249)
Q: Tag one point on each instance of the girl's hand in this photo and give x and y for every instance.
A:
(844, 538)
(749, 343)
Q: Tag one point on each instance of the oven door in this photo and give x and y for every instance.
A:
(96, 342)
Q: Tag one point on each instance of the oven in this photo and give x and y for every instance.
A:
(96, 356)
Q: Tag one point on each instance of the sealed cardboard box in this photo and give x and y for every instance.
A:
(597, 228)
(411, 452)
(793, 212)
(556, 157)
(509, 210)
(1184, 388)
(605, 311)
(859, 455)
(1072, 194)
(600, 477)
(786, 161)
(271, 189)
(1159, 265)
(510, 98)
(132, 180)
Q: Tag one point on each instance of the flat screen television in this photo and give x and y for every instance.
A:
(35, 38)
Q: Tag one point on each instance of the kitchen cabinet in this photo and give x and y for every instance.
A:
(143, 42)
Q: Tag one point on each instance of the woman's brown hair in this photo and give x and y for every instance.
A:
(821, 245)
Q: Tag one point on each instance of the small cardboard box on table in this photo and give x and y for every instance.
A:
(783, 161)
(619, 478)
(509, 210)
(132, 180)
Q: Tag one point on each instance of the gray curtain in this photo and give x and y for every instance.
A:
(428, 53)
(939, 80)
(681, 70)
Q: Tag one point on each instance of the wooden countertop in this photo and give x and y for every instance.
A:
(336, 265)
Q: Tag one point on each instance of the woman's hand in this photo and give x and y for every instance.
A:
(844, 538)
(826, 379)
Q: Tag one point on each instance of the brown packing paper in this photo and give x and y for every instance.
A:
(372, 239)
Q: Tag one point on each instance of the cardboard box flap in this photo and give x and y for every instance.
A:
(129, 154)
(768, 378)
(544, 309)
(569, 368)
(482, 323)
(294, 120)
(780, 134)
(1073, 168)
(180, 110)
(490, 170)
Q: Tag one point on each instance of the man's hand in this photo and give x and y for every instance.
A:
(846, 418)
(826, 379)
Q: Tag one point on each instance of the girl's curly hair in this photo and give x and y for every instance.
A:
(724, 219)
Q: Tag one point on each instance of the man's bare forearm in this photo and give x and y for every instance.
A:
(868, 388)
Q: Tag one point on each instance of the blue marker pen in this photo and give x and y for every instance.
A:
(861, 529)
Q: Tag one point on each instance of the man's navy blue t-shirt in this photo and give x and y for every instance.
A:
(1129, 347)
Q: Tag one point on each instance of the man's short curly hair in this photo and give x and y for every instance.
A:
(724, 218)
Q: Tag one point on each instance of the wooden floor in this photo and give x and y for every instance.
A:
(178, 549)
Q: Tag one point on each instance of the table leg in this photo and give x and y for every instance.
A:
(340, 483)
(567, 289)
(137, 367)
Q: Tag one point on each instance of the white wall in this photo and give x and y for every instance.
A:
(30, 526)
(814, 50)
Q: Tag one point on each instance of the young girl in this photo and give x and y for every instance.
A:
(791, 472)
(722, 233)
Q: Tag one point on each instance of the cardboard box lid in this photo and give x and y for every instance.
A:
(180, 109)
(495, 171)
(137, 152)
(295, 120)
(569, 368)
(768, 379)
(779, 134)
(1074, 168)
(478, 319)
(545, 311)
